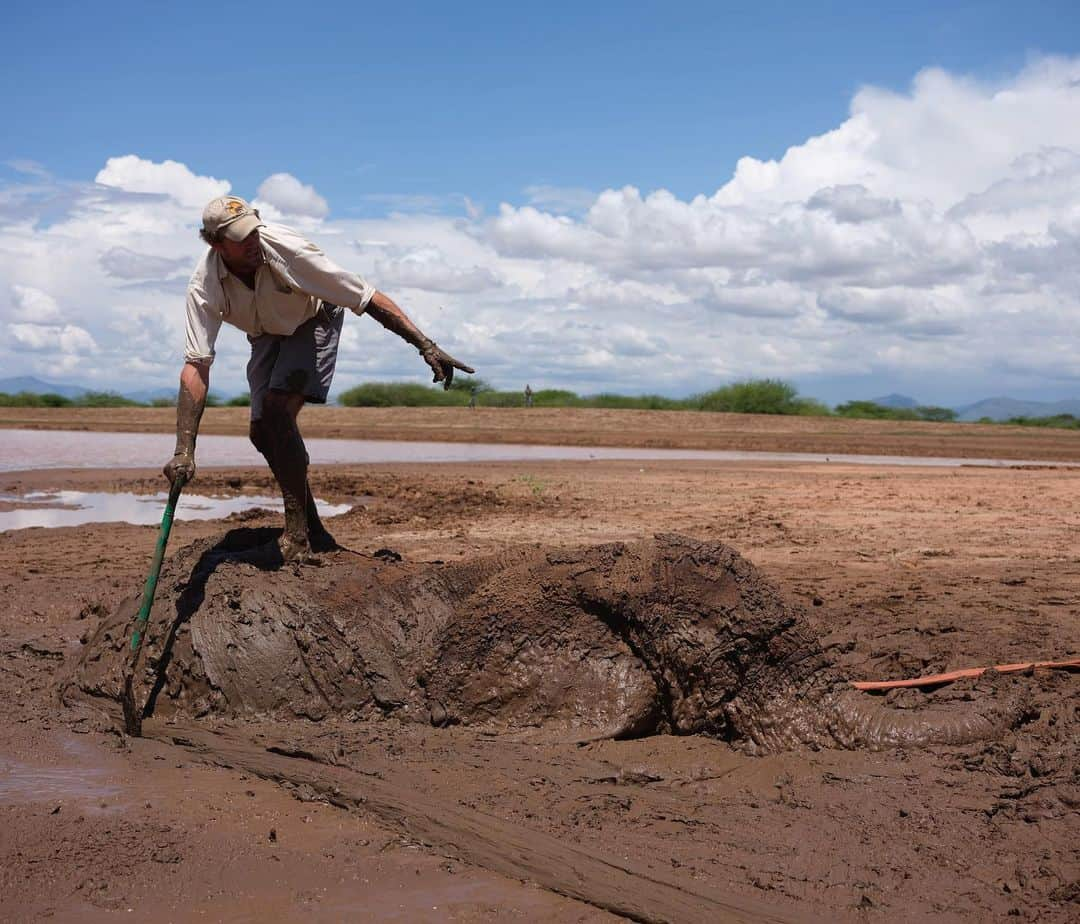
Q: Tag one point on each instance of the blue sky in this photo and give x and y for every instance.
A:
(858, 197)
(479, 99)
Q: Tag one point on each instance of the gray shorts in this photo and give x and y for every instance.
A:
(299, 364)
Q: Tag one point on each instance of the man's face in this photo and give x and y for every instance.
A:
(242, 256)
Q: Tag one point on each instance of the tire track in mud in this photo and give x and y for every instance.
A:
(508, 848)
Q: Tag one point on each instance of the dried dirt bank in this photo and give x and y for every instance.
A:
(589, 427)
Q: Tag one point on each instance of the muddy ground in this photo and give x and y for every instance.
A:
(904, 571)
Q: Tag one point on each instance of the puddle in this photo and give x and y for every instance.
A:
(25, 450)
(22, 782)
(74, 508)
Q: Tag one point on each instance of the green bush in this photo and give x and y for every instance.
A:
(500, 399)
(635, 402)
(555, 397)
(932, 412)
(758, 396)
(30, 399)
(105, 399)
(869, 410)
(401, 394)
(466, 383)
(243, 400)
(873, 411)
(752, 396)
(51, 399)
(1059, 421)
(764, 396)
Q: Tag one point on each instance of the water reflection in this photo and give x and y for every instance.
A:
(24, 450)
(20, 782)
(74, 508)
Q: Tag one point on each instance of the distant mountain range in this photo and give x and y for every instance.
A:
(994, 408)
(1004, 408)
(895, 400)
(12, 386)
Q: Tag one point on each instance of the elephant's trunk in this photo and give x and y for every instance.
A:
(827, 713)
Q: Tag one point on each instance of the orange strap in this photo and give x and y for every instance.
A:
(934, 680)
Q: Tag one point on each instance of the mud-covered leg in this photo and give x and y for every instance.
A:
(319, 536)
(288, 460)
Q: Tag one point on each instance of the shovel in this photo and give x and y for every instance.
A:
(133, 715)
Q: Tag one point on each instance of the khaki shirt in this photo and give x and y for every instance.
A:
(289, 288)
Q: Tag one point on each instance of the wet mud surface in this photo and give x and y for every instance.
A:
(542, 692)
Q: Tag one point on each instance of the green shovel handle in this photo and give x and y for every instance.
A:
(155, 565)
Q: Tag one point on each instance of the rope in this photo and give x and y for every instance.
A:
(934, 680)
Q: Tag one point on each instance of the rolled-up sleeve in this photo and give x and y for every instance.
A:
(203, 324)
(315, 273)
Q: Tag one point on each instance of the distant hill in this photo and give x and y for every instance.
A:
(895, 400)
(1004, 408)
(35, 386)
(12, 386)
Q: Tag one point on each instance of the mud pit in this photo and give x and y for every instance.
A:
(624, 640)
(897, 573)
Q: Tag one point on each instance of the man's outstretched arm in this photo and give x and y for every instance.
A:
(194, 384)
(384, 310)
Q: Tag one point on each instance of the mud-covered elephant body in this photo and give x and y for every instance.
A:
(626, 639)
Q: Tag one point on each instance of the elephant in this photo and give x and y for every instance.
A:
(668, 635)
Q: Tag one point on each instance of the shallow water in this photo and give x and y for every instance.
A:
(74, 508)
(78, 777)
(24, 450)
(20, 782)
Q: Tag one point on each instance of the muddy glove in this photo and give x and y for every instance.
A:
(441, 362)
(181, 466)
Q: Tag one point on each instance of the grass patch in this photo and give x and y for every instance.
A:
(90, 399)
(1057, 421)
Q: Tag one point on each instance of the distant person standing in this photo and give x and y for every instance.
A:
(472, 396)
(528, 396)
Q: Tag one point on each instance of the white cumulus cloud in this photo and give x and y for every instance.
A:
(289, 196)
(929, 242)
(67, 338)
(33, 305)
(169, 178)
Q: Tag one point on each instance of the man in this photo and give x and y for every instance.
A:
(290, 299)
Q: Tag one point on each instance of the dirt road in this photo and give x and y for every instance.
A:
(904, 571)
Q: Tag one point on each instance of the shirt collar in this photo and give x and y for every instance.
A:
(222, 269)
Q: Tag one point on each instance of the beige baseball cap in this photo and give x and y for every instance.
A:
(230, 216)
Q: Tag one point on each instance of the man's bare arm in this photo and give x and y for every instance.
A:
(384, 310)
(190, 402)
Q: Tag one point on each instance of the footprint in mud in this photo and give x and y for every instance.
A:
(669, 635)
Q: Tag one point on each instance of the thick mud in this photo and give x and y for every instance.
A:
(623, 640)
(492, 808)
